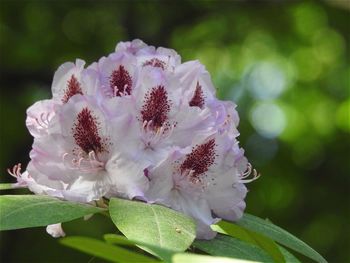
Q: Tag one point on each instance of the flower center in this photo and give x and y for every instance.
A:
(73, 88)
(156, 107)
(155, 62)
(199, 160)
(120, 82)
(198, 97)
(86, 132)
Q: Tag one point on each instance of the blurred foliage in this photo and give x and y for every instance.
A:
(286, 65)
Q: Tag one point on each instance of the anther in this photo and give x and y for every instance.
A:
(16, 170)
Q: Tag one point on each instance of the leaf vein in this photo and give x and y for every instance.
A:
(158, 226)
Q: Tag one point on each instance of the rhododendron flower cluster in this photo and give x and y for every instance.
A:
(139, 124)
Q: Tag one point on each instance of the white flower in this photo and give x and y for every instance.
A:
(138, 124)
(55, 230)
(69, 80)
(204, 181)
(197, 88)
(164, 58)
(131, 47)
(78, 155)
(118, 74)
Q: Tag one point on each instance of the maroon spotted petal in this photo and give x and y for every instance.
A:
(155, 62)
(73, 88)
(156, 107)
(198, 97)
(86, 132)
(120, 81)
(200, 159)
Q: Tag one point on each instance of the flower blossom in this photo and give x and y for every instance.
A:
(138, 124)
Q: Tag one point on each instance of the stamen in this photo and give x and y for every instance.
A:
(120, 82)
(246, 174)
(86, 164)
(40, 123)
(73, 88)
(16, 170)
(151, 137)
(43, 120)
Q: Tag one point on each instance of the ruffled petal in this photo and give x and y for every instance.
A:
(127, 177)
(39, 116)
(132, 47)
(68, 73)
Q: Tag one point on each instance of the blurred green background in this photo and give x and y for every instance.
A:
(285, 63)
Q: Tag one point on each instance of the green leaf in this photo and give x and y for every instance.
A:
(22, 211)
(193, 258)
(279, 235)
(233, 230)
(103, 250)
(290, 258)
(10, 186)
(6, 186)
(118, 239)
(227, 246)
(269, 246)
(162, 253)
(259, 240)
(152, 224)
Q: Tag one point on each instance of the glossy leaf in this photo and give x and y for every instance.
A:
(254, 238)
(162, 253)
(22, 211)
(289, 257)
(233, 230)
(279, 235)
(231, 247)
(103, 250)
(193, 258)
(118, 239)
(152, 224)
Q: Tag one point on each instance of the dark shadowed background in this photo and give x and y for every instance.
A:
(285, 63)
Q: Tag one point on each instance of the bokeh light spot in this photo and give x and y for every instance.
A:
(307, 64)
(296, 125)
(320, 228)
(268, 119)
(328, 45)
(266, 81)
(322, 116)
(308, 17)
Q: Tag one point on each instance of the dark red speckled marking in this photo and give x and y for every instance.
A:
(73, 88)
(120, 81)
(86, 132)
(156, 107)
(199, 160)
(198, 97)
